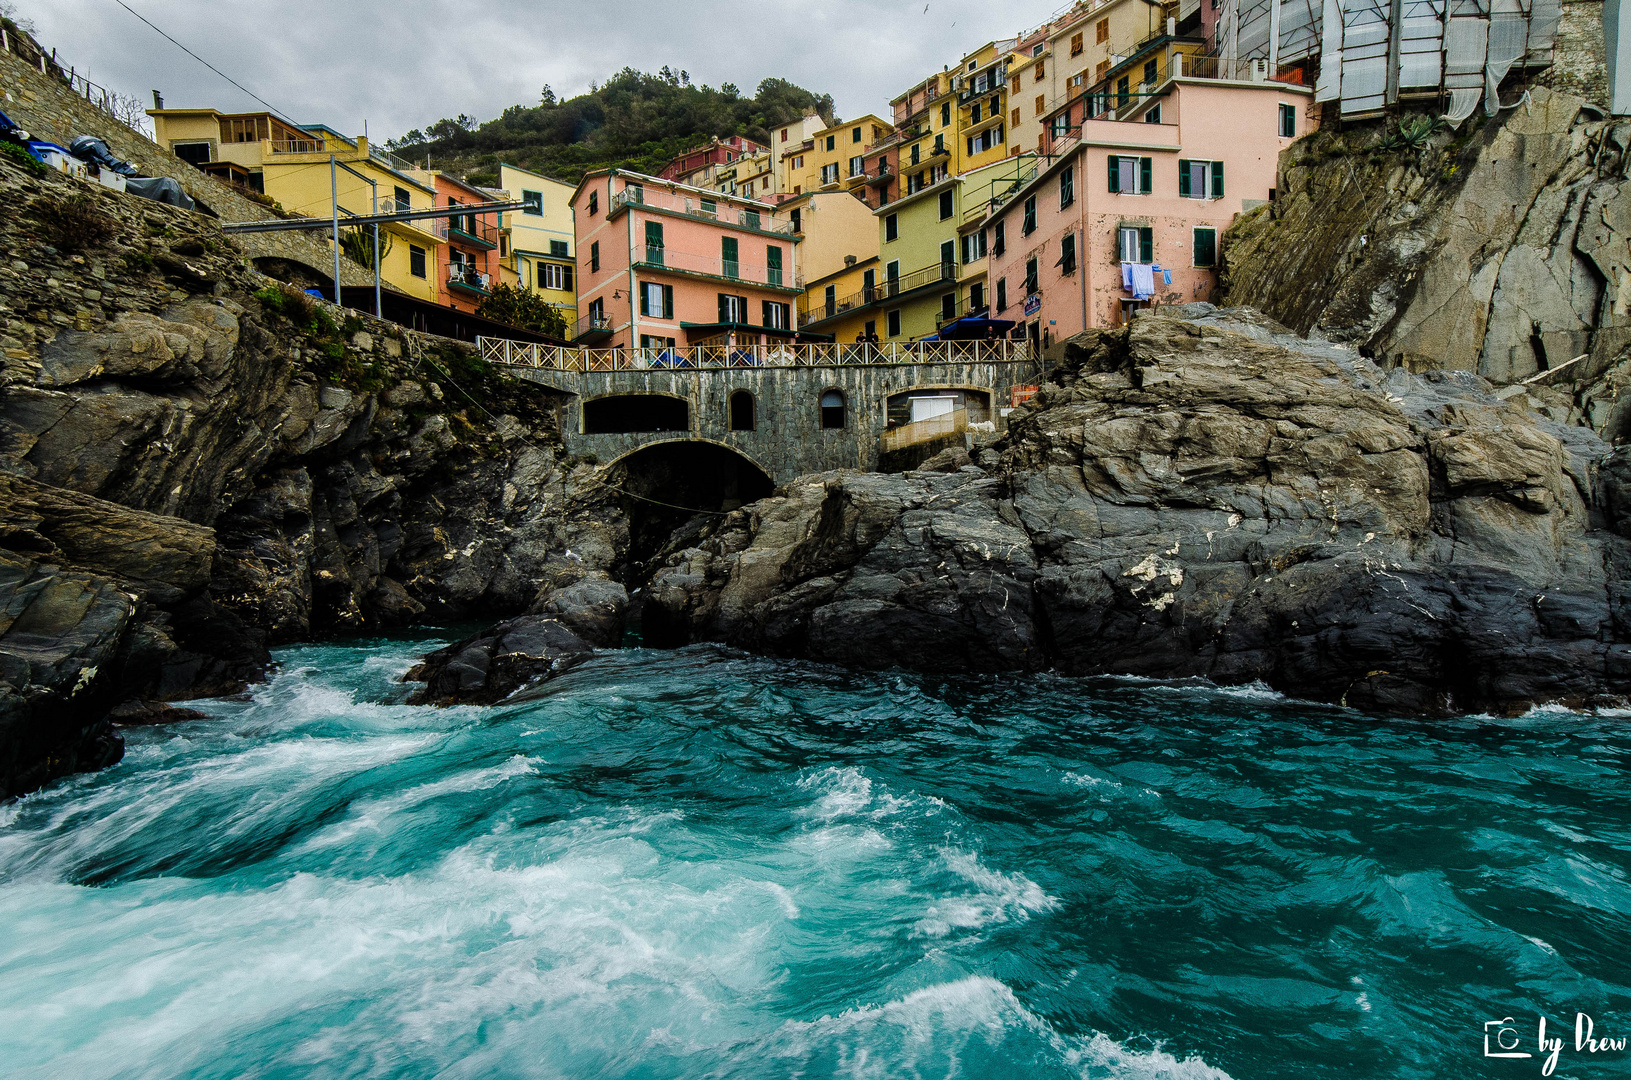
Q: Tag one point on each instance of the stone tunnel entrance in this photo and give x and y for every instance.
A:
(666, 485)
(625, 414)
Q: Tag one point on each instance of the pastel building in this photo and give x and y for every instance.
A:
(839, 257)
(539, 239)
(1078, 245)
(731, 166)
(788, 154)
(662, 264)
(467, 260)
(836, 158)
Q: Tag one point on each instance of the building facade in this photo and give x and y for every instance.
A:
(467, 259)
(662, 264)
(541, 246)
(1128, 213)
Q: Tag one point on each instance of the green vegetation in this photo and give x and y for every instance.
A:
(75, 223)
(635, 121)
(357, 243)
(19, 156)
(515, 306)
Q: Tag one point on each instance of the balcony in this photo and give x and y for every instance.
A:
(714, 267)
(694, 205)
(468, 230)
(592, 327)
(813, 311)
(463, 279)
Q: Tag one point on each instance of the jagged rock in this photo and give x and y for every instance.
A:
(149, 713)
(1207, 495)
(495, 665)
(587, 602)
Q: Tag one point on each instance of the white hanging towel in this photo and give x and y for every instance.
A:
(1143, 281)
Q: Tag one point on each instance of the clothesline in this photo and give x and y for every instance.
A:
(1140, 279)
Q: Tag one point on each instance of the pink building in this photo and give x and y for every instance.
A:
(715, 152)
(662, 264)
(1129, 211)
(467, 262)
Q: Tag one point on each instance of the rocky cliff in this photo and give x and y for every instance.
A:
(197, 463)
(1502, 249)
(1207, 495)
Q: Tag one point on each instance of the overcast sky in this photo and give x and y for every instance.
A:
(404, 64)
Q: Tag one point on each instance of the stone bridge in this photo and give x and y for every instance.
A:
(789, 409)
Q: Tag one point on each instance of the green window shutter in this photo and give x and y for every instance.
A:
(1183, 177)
(1115, 180)
(668, 301)
(1217, 179)
(722, 314)
(654, 234)
(1144, 176)
(645, 306)
(1146, 243)
(1206, 244)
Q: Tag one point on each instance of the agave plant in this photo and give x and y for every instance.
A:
(1413, 134)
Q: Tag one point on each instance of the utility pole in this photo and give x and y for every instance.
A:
(334, 198)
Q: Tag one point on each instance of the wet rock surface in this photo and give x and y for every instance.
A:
(488, 668)
(1207, 495)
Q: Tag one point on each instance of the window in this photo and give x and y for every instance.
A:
(554, 276)
(974, 247)
(832, 406)
(1030, 275)
(784, 134)
(773, 264)
(999, 242)
(829, 174)
(534, 201)
(945, 205)
(796, 216)
(1137, 243)
(1030, 217)
(416, 261)
(1153, 116)
(777, 315)
(742, 411)
(891, 274)
(1041, 104)
(656, 300)
(597, 313)
(892, 322)
(1059, 126)
(1130, 175)
(1098, 72)
(1123, 92)
(829, 300)
(872, 328)
(558, 249)
(1036, 50)
(729, 258)
(945, 113)
(654, 341)
(654, 242)
(733, 309)
(855, 135)
(1206, 247)
(1016, 84)
(1067, 186)
(989, 139)
(1076, 45)
(1013, 118)
(750, 218)
(594, 203)
(869, 284)
(857, 166)
(948, 307)
(1101, 32)
(1002, 294)
(916, 147)
(594, 257)
(1041, 66)
(403, 203)
(832, 142)
(1067, 254)
(1149, 72)
(940, 143)
(974, 115)
(1288, 121)
(891, 228)
(976, 297)
(1200, 179)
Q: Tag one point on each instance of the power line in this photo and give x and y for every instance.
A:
(200, 59)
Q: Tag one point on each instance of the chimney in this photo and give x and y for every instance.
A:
(1172, 27)
(158, 100)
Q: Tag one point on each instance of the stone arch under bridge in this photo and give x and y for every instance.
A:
(787, 438)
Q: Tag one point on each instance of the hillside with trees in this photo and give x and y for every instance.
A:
(634, 120)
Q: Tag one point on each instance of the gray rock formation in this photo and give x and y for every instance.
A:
(1207, 495)
(510, 658)
(1503, 249)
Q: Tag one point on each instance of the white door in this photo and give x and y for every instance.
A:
(924, 408)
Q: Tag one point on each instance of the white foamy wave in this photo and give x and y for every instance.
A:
(996, 898)
(1104, 786)
(847, 792)
(372, 814)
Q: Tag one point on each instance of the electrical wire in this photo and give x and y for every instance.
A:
(203, 61)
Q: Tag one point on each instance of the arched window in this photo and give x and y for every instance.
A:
(742, 411)
(832, 409)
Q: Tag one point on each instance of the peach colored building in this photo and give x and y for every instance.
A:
(662, 264)
(467, 260)
(1149, 194)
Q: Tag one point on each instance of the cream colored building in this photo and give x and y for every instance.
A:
(538, 241)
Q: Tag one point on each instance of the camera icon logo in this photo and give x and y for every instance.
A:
(1505, 1040)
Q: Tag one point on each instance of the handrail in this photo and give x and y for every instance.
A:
(667, 258)
(582, 359)
(813, 310)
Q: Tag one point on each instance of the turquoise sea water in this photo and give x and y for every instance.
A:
(702, 864)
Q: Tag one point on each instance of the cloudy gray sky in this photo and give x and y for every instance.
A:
(403, 64)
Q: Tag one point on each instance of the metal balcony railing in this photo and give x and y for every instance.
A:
(765, 220)
(462, 277)
(470, 229)
(690, 262)
(591, 324)
(812, 310)
(716, 356)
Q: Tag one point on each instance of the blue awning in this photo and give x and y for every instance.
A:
(971, 328)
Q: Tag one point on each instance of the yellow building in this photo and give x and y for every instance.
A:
(840, 259)
(931, 249)
(291, 166)
(835, 158)
(788, 153)
(538, 240)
